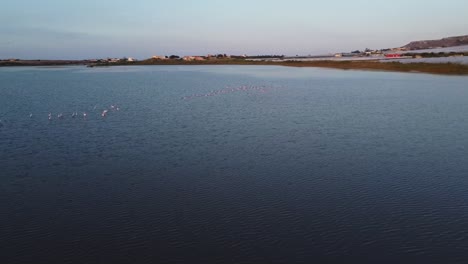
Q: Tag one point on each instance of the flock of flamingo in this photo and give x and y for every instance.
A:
(229, 89)
(84, 114)
(105, 112)
(77, 114)
(73, 115)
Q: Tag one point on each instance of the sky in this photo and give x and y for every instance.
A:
(84, 29)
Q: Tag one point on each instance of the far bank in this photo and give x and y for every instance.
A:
(432, 68)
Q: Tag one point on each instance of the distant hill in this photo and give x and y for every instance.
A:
(438, 43)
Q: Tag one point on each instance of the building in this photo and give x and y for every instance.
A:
(112, 59)
(193, 58)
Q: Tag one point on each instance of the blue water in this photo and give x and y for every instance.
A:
(232, 164)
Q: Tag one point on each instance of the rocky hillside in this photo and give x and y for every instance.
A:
(439, 43)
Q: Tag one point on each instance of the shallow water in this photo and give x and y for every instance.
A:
(459, 60)
(232, 164)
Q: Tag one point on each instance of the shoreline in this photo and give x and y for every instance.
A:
(417, 67)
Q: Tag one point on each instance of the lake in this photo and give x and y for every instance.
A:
(232, 164)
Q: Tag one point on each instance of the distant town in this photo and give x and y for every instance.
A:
(366, 54)
(362, 59)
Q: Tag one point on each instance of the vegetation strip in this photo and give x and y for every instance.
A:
(433, 68)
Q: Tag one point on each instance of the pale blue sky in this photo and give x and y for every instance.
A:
(74, 29)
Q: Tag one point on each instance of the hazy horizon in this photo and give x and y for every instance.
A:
(53, 29)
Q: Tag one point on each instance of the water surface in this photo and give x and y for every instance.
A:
(232, 164)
